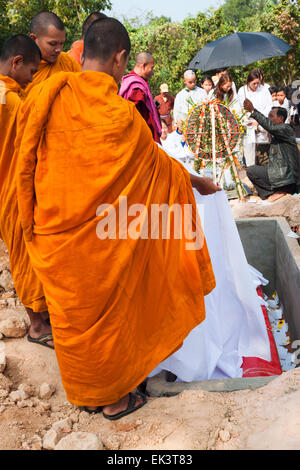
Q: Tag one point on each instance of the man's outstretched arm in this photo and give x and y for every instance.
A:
(278, 130)
(204, 185)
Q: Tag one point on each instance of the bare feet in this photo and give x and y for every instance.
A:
(45, 316)
(274, 197)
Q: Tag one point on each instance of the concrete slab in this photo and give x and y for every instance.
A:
(259, 242)
(277, 256)
(159, 387)
(288, 276)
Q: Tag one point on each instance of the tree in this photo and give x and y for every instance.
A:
(4, 25)
(72, 13)
(242, 13)
(284, 21)
(171, 46)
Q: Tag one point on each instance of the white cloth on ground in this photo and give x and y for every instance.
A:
(234, 326)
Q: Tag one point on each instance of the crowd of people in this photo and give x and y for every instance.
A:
(72, 151)
(256, 147)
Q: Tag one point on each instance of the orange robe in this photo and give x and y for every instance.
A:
(118, 307)
(27, 285)
(76, 50)
(64, 63)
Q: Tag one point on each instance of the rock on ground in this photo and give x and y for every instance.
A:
(288, 207)
(6, 281)
(80, 441)
(46, 391)
(13, 327)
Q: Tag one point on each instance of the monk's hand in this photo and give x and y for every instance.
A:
(248, 106)
(204, 185)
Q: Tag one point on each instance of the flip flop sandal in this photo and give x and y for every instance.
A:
(97, 410)
(143, 387)
(42, 340)
(130, 408)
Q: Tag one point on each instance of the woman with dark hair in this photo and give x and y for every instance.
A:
(207, 86)
(262, 77)
(224, 91)
(261, 98)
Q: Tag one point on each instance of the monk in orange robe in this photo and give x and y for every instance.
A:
(19, 60)
(76, 50)
(111, 282)
(48, 31)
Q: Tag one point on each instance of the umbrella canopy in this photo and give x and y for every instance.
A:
(238, 49)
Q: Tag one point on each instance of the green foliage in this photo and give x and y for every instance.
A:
(284, 22)
(240, 13)
(4, 25)
(173, 45)
(72, 12)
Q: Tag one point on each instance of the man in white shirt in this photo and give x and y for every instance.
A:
(189, 96)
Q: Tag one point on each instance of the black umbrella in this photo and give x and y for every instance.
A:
(238, 49)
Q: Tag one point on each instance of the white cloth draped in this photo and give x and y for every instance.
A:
(234, 326)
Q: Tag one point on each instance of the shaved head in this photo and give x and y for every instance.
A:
(48, 31)
(19, 59)
(189, 74)
(106, 48)
(104, 38)
(40, 23)
(91, 19)
(144, 65)
(144, 58)
(20, 45)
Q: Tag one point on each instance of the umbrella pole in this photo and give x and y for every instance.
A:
(213, 138)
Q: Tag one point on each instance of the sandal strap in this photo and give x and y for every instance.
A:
(46, 338)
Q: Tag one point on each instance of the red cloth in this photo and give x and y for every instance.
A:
(165, 108)
(256, 367)
(138, 97)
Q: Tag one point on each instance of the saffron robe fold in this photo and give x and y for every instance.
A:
(76, 50)
(115, 306)
(27, 285)
(64, 63)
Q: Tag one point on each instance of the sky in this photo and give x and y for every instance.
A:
(176, 9)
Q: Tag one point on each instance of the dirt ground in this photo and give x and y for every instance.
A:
(267, 418)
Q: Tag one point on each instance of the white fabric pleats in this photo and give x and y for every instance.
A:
(234, 326)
